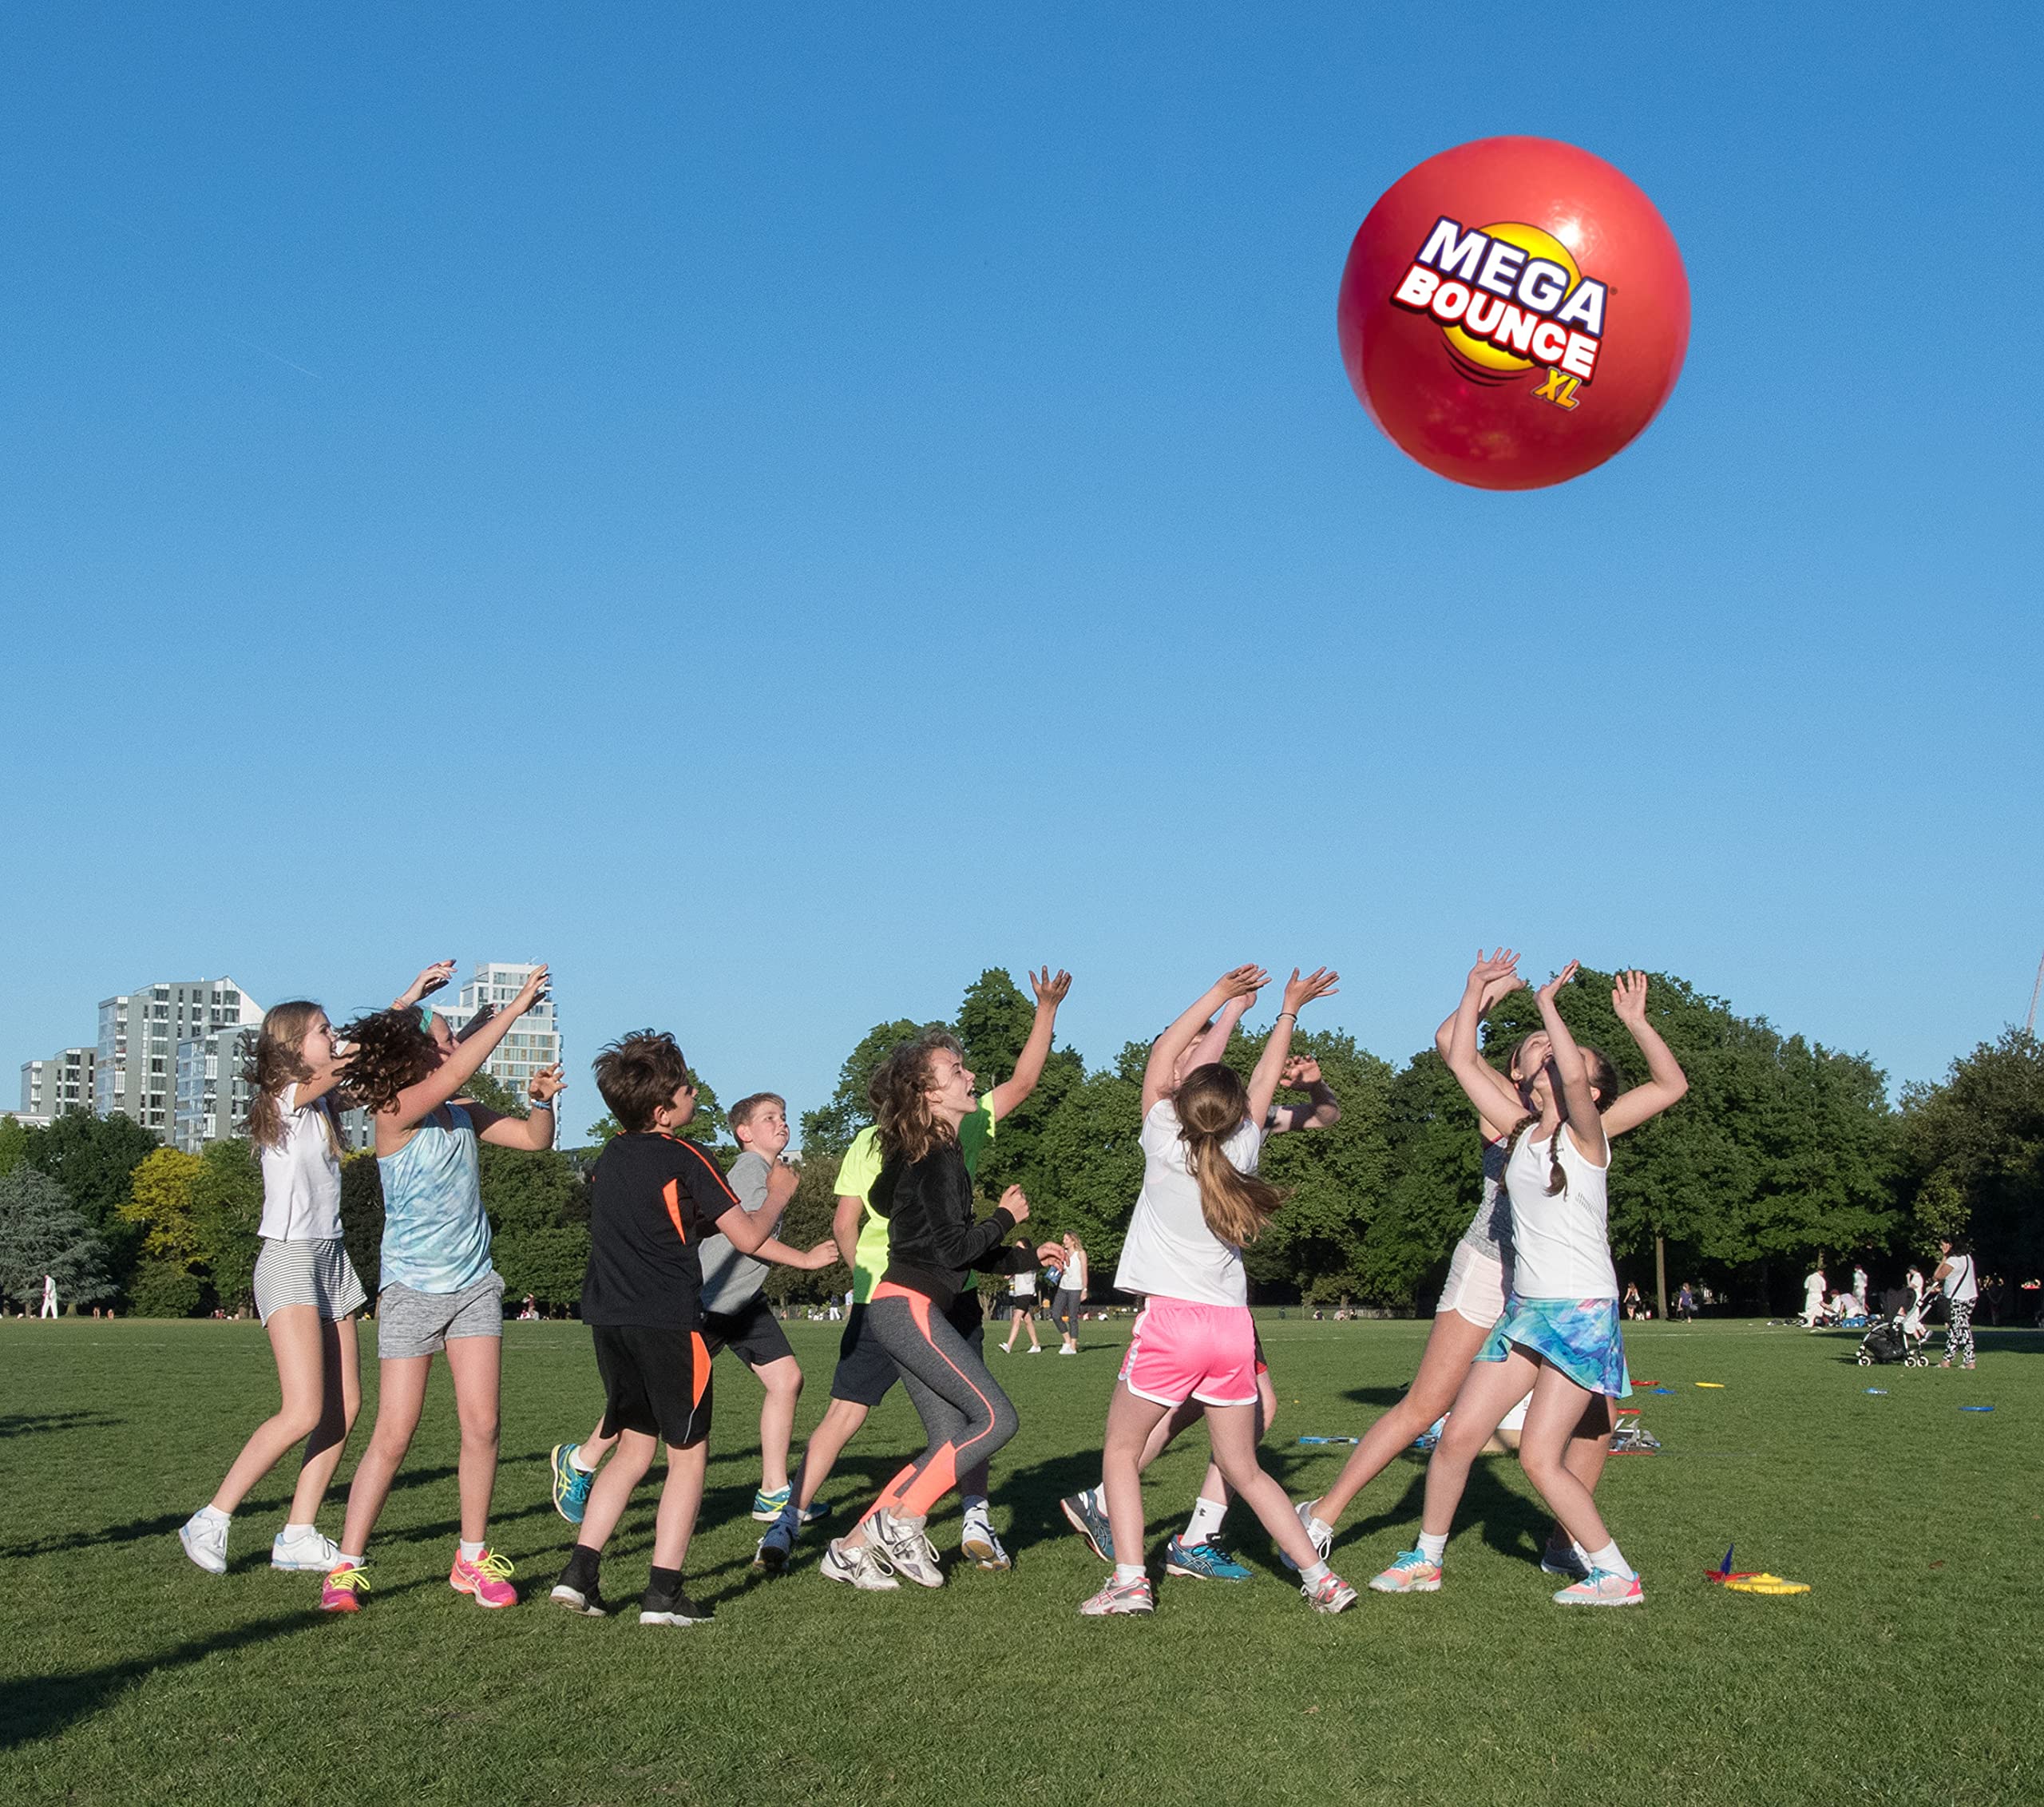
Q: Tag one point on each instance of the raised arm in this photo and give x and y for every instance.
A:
(531, 1133)
(1029, 1065)
(1277, 1045)
(1585, 1125)
(1498, 1103)
(1665, 1081)
(1244, 982)
(1213, 1045)
(465, 1059)
(1302, 1073)
(430, 980)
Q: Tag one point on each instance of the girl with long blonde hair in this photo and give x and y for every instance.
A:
(306, 1290)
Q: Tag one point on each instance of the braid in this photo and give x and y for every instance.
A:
(1557, 1179)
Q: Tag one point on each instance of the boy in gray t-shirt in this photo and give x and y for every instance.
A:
(735, 1316)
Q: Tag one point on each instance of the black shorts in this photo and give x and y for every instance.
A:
(866, 1372)
(752, 1333)
(657, 1381)
(1012, 1303)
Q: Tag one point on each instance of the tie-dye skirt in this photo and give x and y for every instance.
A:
(1580, 1336)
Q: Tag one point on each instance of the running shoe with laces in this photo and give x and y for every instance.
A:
(488, 1578)
(1562, 1560)
(1329, 1593)
(815, 1512)
(203, 1535)
(982, 1548)
(767, 1506)
(1600, 1587)
(864, 1568)
(571, 1484)
(909, 1551)
(304, 1553)
(1087, 1517)
(1120, 1597)
(343, 1589)
(1411, 1573)
(1320, 1534)
(675, 1608)
(1202, 1562)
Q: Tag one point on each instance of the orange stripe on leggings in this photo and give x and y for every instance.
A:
(910, 1493)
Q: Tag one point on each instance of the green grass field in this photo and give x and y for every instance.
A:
(1910, 1668)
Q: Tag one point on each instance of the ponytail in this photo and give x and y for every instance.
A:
(1212, 1103)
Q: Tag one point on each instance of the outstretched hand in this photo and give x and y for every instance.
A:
(1628, 998)
(531, 991)
(1318, 983)
(1049, 990)
(816, 1259)
(547, 1085)
(1015, 1202)
(1547, 993)
(1300, 1071)
(1243, 981)
(1050, 1255)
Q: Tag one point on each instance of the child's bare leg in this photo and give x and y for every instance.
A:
(1551, 1421)
(1232, 1430)
(400, 1397)
(782, 1377)
(477, 1365)
(342, 1365)
(1492, 1388)
(1131, 1419)
(294, 1332)
(1452, 1347)
(681, 1499)
(612, 1488)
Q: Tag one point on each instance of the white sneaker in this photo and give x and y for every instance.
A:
(1035, 1348)
(305, 1551)
(203, 1535)
(1067, 1350)
(980, 1547)
(862, 1568)
(1321, 1535)
(908, 1550)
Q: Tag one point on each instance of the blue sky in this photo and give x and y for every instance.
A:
(775, 513)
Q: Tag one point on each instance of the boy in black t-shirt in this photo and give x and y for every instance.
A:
(652, 1199)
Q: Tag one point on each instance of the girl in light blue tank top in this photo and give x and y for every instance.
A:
(436, 1234)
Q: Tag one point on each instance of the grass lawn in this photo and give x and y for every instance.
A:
(127, 1675)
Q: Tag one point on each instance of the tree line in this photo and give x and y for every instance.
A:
(1784, 1151)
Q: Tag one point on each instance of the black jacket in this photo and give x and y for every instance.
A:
(931, 1239)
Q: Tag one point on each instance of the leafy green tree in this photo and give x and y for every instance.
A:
(1436, 1181)
(831, 1128)
(1971, 1155)
(94, 1158)
(807, 1223)
(361, 1218)
(994, 1021)
(42, 1232)
(1088, 1162)
(227, 1215)
(165, 1288)
(16, 1138)
(539, 1216)
(160, 1201)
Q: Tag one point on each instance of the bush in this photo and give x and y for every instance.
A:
(164, 1289)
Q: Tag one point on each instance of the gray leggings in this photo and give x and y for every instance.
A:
(964, 1413)
(1064, 1314)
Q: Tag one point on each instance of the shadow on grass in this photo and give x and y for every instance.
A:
(31, 1424)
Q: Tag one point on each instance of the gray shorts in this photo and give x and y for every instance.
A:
(409, 1323)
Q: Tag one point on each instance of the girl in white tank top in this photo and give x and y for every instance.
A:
(1558, 1335)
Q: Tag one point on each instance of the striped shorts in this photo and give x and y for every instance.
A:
(317, 1274)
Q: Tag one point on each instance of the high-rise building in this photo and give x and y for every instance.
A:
(212, 1092)
(134, 1067)
(62, 1083)
(534, 1039)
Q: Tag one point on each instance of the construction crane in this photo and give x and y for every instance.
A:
(2030, 1022)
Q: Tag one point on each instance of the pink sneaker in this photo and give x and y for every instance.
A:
(488, 1578)
(343, 1589)
(1602, 1588)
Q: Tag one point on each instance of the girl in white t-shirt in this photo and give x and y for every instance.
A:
(1201, 1201)
(1559, 1337)
(306, 1290)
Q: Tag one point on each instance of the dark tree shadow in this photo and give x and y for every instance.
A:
(31, 1424)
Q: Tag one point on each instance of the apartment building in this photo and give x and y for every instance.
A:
(135, 1069)
(534, 1040)
(62, 1083)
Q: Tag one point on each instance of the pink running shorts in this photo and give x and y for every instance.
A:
(1180, 1351)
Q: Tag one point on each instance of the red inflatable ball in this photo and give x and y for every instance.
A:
(1514, 312)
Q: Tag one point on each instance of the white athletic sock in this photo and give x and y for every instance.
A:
(209, 1513)
(575, 1461)
(1433, 1548)
(1127, 1572)
(1609, 1560)
(471, 1552)
(292, 1530)
(1314, 1575)
(1204, 1525)
(352, 1562)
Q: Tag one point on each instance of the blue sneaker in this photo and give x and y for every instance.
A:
(571, 1484)
(814, 1512)
(1203, 1562)
(1090, 1523)
(767, 1506)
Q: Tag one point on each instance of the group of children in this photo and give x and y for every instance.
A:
(680, 1249)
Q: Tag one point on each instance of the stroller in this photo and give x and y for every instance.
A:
(1895, 1338)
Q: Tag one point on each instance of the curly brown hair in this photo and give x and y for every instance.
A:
(276, 1064)
(899, 1090)
(388, 1050)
